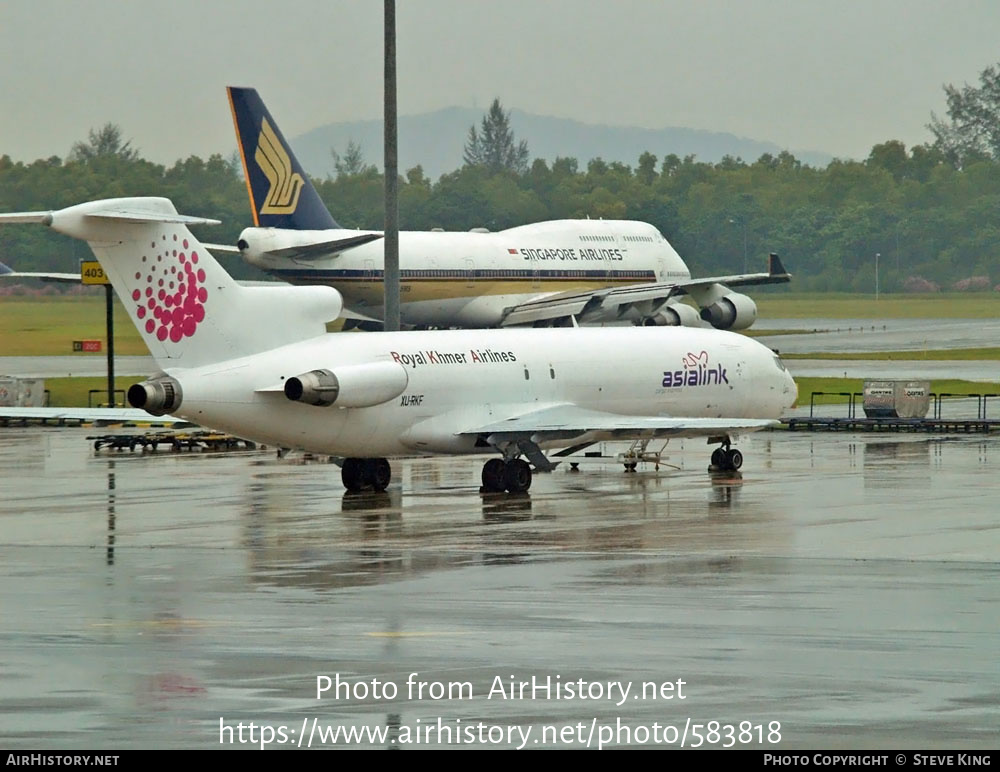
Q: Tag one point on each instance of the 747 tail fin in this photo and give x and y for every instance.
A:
(281, 195)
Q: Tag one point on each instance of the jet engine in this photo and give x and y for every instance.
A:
(674, 315)
(731, 312)
(158, 396)
(362, 385)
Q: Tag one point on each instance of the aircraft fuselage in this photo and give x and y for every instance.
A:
(459, 279)
(449, 381)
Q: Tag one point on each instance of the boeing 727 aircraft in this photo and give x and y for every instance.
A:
(544, 274)
(257, 362)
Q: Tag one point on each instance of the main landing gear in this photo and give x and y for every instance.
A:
(513, 475)
(359, 474)
(726, 458)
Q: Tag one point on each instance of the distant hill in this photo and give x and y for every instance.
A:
(436, 140)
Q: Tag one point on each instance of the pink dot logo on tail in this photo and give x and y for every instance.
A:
(178, 313)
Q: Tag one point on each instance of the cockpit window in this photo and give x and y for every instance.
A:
(780, 364)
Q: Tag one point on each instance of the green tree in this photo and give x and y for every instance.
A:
(493, 146)
(352, 162)
(647, 168)
(890, 156)
(103, 143)
(973, 128)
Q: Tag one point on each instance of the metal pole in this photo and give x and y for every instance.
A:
(877, 256)
(744, 246)
(897, 248)
(109, 312)
(390, 281)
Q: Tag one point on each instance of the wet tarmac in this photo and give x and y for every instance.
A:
(866, 335)
(78, 366)
(986, 370)
(844, 586)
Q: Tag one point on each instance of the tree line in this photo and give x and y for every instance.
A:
(929, 211)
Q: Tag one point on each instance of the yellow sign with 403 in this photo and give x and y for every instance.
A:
(92, 273)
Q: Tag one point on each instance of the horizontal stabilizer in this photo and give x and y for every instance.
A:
(111, 209)
(223, 249)
(151, 217)
(45, 218)
(323, 248)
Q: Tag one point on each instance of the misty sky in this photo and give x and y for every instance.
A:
(832, 75)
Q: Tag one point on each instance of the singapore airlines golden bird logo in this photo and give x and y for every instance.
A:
(273, 160)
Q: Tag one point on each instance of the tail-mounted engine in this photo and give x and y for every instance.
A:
(362, 385)
(158, 396)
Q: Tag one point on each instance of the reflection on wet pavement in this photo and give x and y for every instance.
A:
(845, 586)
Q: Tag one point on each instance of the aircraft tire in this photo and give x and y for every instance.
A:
(493, 476)
(352, 474)
(517, 475)
(734, 459)
(718, 458)
(379, 473)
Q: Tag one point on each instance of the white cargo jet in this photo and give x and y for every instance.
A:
(258, 363)
(544, 274)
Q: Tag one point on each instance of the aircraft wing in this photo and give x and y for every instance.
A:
(617, 301)
(567, 421)
(776, 274)
(99, 416)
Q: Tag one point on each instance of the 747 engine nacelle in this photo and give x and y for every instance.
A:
(363, 385)
(732, 311)
(674, 315)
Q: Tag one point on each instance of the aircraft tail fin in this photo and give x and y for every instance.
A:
(281, 195)
(188, 310)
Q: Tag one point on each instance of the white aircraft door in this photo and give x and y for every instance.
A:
(470, 273)
(609, 263)
(536, 277)
(369, 274)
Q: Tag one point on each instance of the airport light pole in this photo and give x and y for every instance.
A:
(109, 314)
(897, 245)
(877, 256)
(390, 276)
(742, 220)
